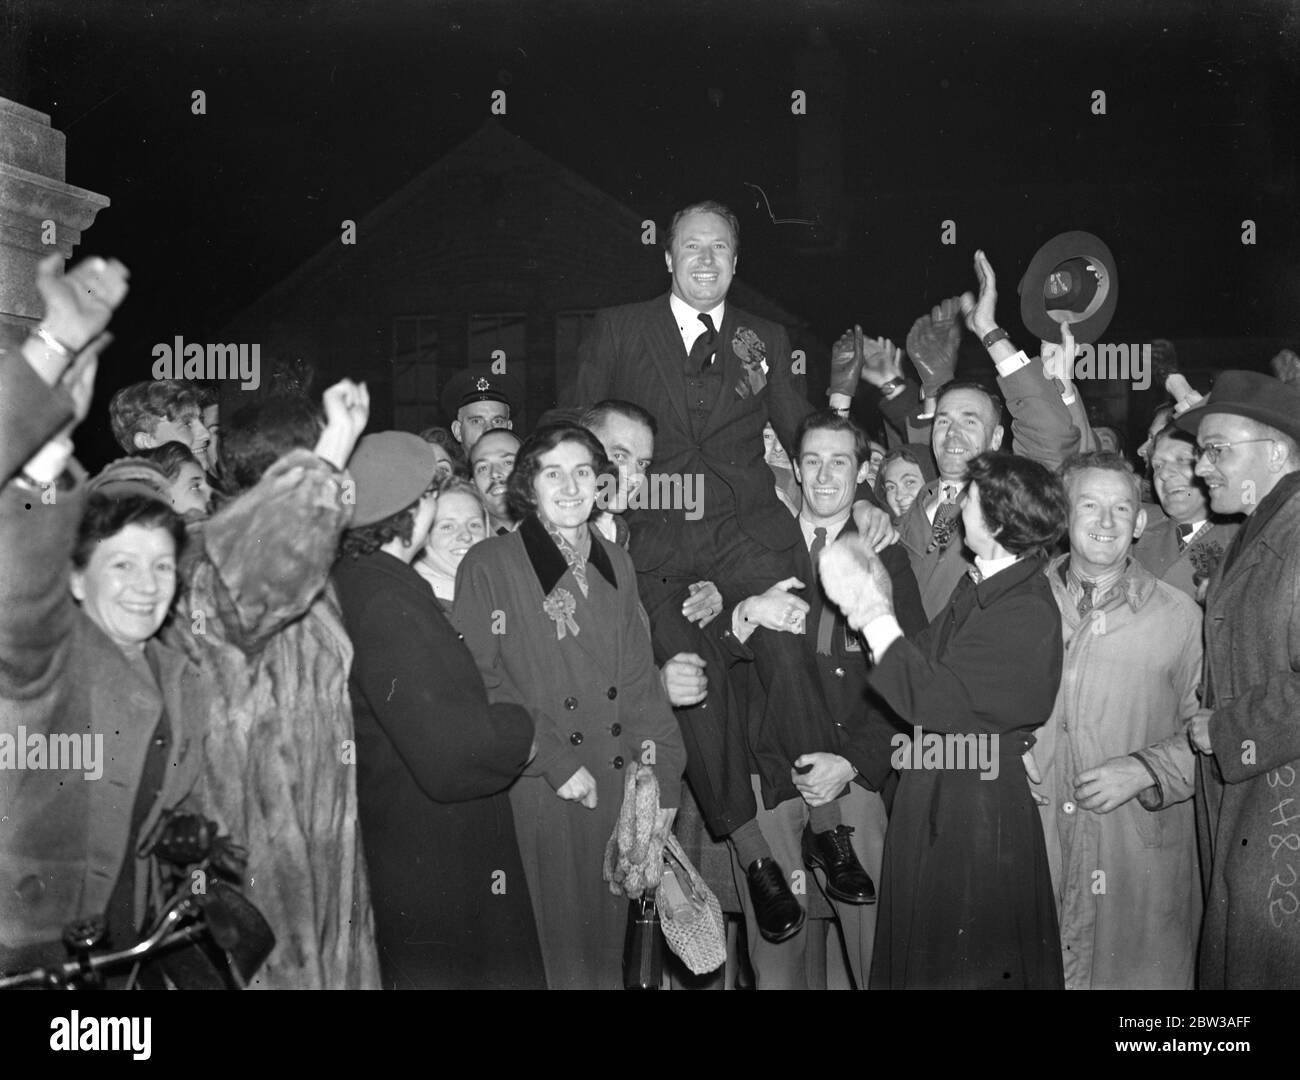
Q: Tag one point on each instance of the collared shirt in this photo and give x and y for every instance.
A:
(949, 491)
(688, 319)
(1121, 583)
(1196, 527)
(833, 529)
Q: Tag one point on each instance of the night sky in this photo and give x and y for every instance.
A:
(975, 112)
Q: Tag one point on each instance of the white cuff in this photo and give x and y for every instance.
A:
(1011, 364)
(880, 633)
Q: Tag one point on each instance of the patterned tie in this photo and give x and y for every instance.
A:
(701, 355)
(946, 516)
(1085, 601)
(1184, 533)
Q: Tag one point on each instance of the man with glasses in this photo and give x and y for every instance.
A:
(1248, 783)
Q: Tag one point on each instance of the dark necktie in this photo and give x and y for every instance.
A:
(826, 621)
(702, 351)
(819, 542)
(1085, 601)
(1184, 531)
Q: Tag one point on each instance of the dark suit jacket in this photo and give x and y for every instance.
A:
(860, 714)
(635, 352)
(1157, 550)
(433, 762)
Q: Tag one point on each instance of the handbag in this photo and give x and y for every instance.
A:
(689, 913)
(643, 947)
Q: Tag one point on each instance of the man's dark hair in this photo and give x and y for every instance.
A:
(169, 458)
(262, 432)
(140, 406)
(1107, 461)
(520, 498)
(599, 413)
(995, 399)
(829, 420)
(706, 207)
(1023, 504)
(106, 516)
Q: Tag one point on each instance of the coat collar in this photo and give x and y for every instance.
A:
(549, 564)
(1137, 582)
(989, 592)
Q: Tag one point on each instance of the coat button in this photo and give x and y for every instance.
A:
(1068, 807)
(618, 762)
(616, 729)
(570, 702)
(612, 693)
(576, 738)
(30, 889)
(839, 673)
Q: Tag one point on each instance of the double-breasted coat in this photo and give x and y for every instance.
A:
(1248, 805)
(966, 896)
(597, 701)
(434, 760)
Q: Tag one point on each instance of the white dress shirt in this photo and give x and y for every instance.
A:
(688, 319)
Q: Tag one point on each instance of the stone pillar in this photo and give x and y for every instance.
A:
(39, 213)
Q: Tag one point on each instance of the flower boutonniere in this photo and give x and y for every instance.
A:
(560, 606)
(749, 347)
(1205, 557)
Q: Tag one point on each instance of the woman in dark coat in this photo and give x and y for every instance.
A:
(552, 616)
(433, 757)
(966, 898)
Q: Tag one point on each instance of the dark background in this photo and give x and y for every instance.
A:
(917, 112)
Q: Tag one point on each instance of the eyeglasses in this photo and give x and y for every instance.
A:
(1212, 452)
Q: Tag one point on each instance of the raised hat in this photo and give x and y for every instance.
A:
(480, 383)
(1253, 395)
(391, 470)
(1071, 279)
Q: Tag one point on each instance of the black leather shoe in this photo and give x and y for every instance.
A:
(776, 911)
(831, 851)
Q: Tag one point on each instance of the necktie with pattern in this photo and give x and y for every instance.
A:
(1184, 534)
(946, 516)
(1085, 601)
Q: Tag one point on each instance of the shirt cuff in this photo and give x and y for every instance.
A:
(880, 633)
(1011, 364)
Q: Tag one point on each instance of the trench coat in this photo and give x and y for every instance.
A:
(1127, 883)
(597, 701)
(257, 612)
(434, 760)
(65, 836)
(1248, 806)
(966, 891)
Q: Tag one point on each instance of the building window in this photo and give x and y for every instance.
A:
(415, 371)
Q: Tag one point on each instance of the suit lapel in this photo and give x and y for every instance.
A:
(668, 354)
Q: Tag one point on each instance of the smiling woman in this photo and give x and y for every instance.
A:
(552, 616)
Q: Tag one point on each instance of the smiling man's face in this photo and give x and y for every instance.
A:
(965, 424)
(1181, 495)
(702, 260)
(1105, 516)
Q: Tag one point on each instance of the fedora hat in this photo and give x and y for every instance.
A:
(391, 469)
(1071, 279)
(1253, 395)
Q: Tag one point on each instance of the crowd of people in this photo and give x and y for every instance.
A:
(1002, 710)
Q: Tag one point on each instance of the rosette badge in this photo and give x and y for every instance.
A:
(752, 353)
